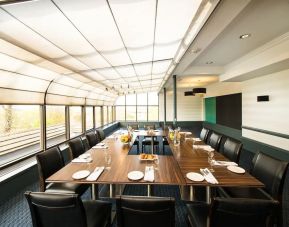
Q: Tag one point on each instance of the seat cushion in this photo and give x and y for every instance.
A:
(234, 192)
(66, 188)
(197, 214)
(98, 213)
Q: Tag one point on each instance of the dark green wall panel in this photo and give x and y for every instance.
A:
(210, 109)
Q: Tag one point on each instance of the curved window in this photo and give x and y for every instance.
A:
(89, 117)
(75, 121)
(19, 131)
(55, 125)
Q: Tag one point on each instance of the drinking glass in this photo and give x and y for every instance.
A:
(211, 160)
(156, 161)
(107, 159)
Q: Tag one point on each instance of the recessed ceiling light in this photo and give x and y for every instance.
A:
(245, 36)
(209, 62)
(195, 50)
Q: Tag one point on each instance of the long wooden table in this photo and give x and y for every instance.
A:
(172, 169)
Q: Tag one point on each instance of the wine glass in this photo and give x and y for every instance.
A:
(211, 160)
(156, 162)
(107, 159)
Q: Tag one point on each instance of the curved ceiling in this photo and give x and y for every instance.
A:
(89, 52)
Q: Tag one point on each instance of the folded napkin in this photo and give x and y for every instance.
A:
(82, 160)
(224, 163)
(197, 139)
(100, 146)
(95, 174)
(111, 137)
(209, 177)
(149, 174)
(188, 133)
(204, 147)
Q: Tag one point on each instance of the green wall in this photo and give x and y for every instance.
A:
(210, 110)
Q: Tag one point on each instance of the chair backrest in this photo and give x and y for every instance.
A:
(145, 211)
(76, 147)
(237, 212)
(134, 126)
(204, 134)
(151, 126)
(232, 150)
(271, 172)
(48, 162)
(101, 134)
(49, 209)
(215, 140)
(92, 138)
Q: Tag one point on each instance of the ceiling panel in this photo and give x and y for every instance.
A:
(126, 70)
(108, 73)
(143, 69)
(170, 30)
(136, 21)
(103, 35)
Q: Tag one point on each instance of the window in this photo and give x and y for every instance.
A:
(120, 113)
(104, 115)
(142, 113)
(19, 131)
(89, 117)
(110, 114)
(130, 113)
(55, 125)
(142, 99)
(153, 113)
(137, 107)
(75, 121)
(97, 116)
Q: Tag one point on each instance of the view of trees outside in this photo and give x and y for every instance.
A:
(137, 107)
(75, 121)
(18, 118)
(97, 116)
(19, 128)
(89, 117)
(55, 124)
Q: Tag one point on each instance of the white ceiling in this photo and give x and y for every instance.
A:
(219, 40)
(103, 47)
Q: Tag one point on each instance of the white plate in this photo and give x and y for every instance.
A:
(100, 144)
(135, 175)
(80, 174)
(236, 169)
(195, 176)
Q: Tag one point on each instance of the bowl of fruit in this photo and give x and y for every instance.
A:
(125, 138)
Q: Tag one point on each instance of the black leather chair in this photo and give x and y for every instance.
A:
(48, 210)
(92, 138)
(145, 211)
(204, 134)
(136, 142)
(76, 147)
(49, 162)
(101, 134)
(214, 140)
(233, 212)
(232, 150)
(271, 172)
(147, 139)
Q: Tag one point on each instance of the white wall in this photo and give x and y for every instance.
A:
(189, 108)
(272, 115)
(223, 88)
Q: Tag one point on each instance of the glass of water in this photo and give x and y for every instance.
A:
(107, 159)
(211, 160)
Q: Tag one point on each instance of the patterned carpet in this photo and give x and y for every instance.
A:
(15, 211)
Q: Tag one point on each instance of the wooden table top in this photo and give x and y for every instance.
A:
(172, 170)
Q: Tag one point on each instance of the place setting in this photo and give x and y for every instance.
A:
(100, 146)
(90, 176)
(83, 158)
(138, 175)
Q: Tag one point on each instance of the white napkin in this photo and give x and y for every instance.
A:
(95, 174)
(224, 163)
(209, 177)
(197, 139)
(149, 174)
(207, 148)
(100, 146)
(81, 160)
(110, 137)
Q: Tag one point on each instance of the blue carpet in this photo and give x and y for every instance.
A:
(15, 210)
